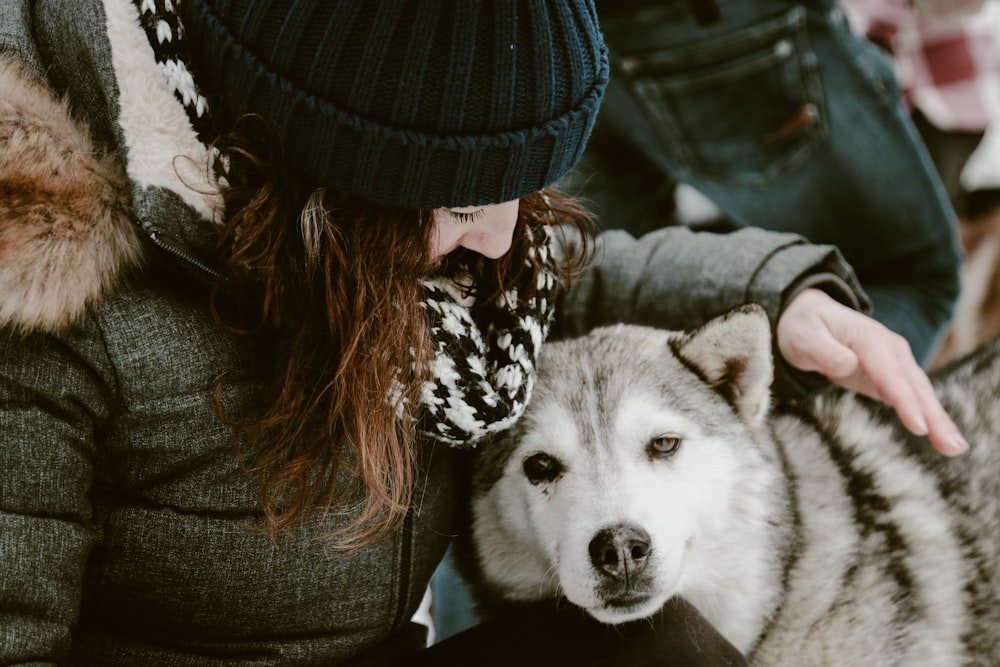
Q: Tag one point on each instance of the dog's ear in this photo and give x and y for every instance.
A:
(732, 353)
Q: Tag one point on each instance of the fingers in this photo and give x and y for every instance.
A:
(889, 372)
(945, 436)
(816, 333)
(942, 431)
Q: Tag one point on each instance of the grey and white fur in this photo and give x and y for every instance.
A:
(651, 464)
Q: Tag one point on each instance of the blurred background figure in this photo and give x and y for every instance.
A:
(786, 118)
(947, 59)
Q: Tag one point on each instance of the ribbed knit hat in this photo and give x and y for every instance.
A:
(415, 103)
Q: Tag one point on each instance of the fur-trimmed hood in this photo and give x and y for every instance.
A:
(73, 211)
(66, 235)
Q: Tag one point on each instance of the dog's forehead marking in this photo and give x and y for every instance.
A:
(645, 415)
(590, 383)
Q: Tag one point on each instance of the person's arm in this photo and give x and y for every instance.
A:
(46, 446)
(675, 278)
(52, 402)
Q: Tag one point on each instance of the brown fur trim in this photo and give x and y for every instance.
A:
(66, 235)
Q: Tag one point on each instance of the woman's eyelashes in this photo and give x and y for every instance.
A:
(463, 217)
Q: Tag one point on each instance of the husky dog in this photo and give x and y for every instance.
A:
(651, 464)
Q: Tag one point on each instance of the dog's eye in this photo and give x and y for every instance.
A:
(541, 468)
(663, 445)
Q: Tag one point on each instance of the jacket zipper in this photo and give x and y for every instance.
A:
(180, 253)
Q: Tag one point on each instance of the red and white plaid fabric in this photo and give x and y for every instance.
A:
(947, 56)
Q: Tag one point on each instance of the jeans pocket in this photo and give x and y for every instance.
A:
(740, 108)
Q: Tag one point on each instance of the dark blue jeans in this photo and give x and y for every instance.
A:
(786, 120)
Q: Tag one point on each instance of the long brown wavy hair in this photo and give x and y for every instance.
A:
(335, 327)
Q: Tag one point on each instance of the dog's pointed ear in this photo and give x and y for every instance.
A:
(732, 353)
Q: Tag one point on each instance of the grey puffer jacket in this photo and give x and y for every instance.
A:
(125, 523)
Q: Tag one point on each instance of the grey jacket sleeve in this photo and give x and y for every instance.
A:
(52, 402)
(675, 278)
(16, 37)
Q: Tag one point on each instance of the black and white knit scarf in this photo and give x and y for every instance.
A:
(165, 33)
(484, 365)
(485, 355)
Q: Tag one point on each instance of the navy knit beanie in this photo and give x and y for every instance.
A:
(414, 103)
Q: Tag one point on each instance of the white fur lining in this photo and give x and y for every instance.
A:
(163, 149)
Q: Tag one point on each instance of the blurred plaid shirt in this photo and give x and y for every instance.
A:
(946, 55)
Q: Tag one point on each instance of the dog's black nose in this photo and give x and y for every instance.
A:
(620, 551)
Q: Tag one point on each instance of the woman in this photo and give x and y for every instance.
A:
(231, 376)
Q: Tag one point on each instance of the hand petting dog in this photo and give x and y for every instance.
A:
(817, 333)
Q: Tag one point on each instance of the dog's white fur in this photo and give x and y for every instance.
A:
(819, 535)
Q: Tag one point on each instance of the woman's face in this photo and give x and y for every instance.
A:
(484, 229)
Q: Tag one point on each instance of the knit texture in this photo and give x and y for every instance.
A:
(414, 103)
(485, 354)
(166, 35)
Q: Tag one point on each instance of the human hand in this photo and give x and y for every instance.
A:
(817, 333)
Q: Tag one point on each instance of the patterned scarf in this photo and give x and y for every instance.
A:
(484, 366)
(165, 33)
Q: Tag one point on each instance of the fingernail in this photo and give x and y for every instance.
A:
(957, 444)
